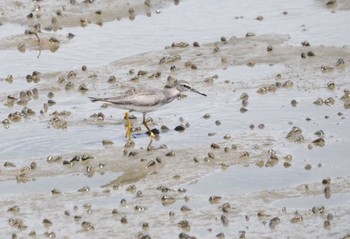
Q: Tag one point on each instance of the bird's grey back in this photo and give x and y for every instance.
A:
(141, 99)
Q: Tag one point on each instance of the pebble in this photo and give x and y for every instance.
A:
(180, 128)
(206, 116)
(327, 192)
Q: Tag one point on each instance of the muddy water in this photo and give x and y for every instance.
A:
(232, 149)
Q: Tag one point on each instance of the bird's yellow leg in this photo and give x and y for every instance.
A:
(128, 126)
(151, 134)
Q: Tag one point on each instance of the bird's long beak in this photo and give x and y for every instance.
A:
(198, 92)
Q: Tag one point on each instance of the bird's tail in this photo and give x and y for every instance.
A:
(93, 99)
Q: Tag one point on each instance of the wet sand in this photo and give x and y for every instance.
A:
(264, 155)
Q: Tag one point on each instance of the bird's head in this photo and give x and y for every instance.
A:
(182, 86)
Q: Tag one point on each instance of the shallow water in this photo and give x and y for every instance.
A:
(118, 46)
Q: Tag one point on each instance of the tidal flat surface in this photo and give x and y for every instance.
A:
(264, 155)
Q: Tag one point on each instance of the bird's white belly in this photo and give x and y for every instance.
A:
(136, 108)
(143, 108)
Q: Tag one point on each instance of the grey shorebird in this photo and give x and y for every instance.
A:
(146, 100)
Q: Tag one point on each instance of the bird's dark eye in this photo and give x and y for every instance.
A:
(186, 86)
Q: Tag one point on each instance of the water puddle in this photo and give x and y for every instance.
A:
(214, 21)
(306, 203)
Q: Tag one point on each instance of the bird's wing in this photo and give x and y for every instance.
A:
(143, 97)
(136, 97)
(129, 92)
